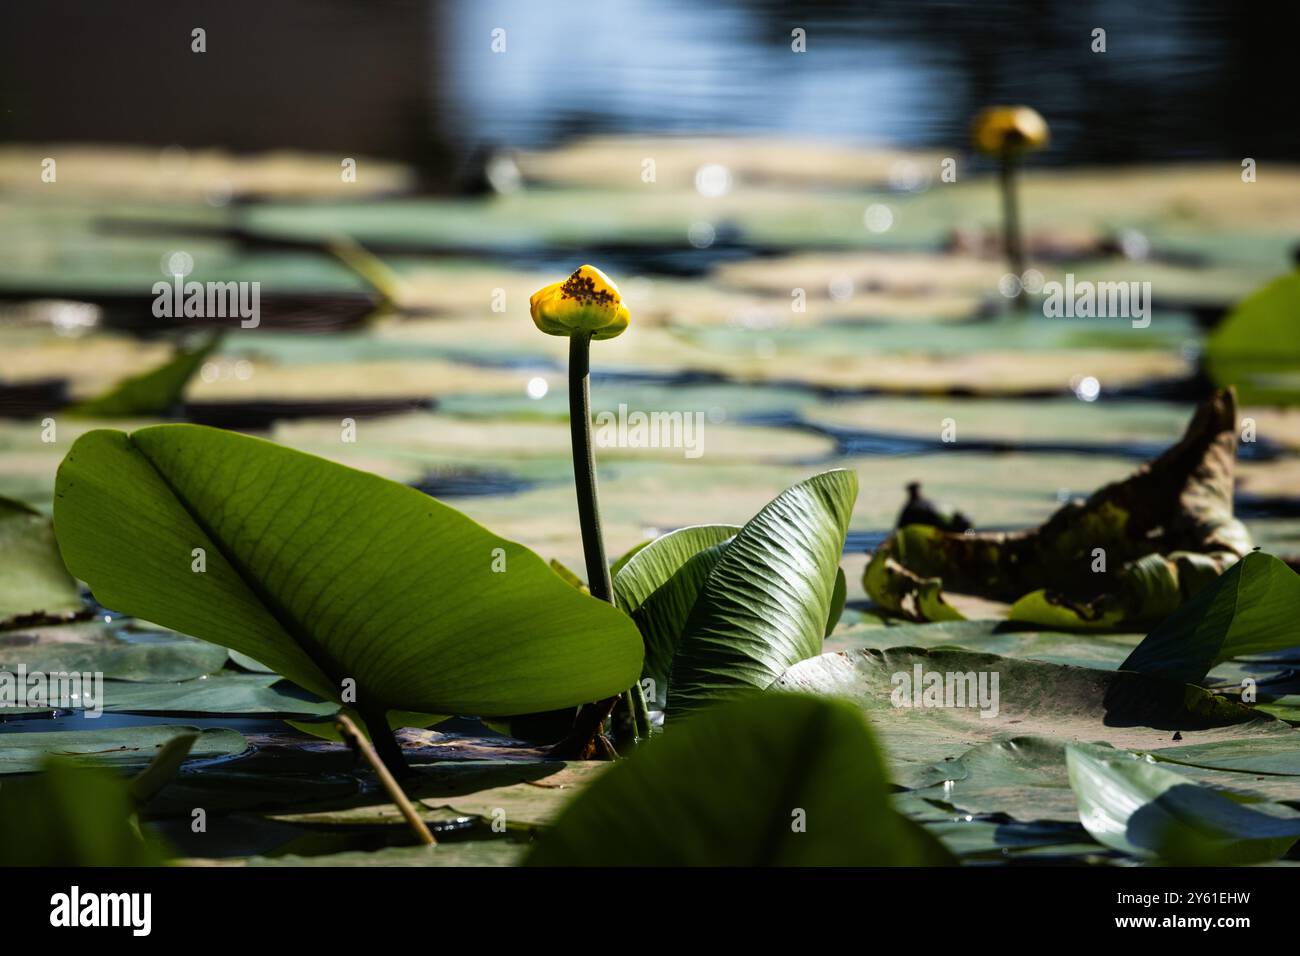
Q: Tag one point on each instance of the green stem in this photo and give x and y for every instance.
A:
(591, 717)
(584, 468)
(1011, 218)
(385, 743)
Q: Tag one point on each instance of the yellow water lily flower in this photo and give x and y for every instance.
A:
(1009, 130)
(587, 301)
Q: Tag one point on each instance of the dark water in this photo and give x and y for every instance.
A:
(1179, 78)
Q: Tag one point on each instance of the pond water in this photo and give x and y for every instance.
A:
(1177, 79)
(906, 330)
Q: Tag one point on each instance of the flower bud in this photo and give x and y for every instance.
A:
(586, 302)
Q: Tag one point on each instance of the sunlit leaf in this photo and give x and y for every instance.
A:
(767, 601)
(327, 574)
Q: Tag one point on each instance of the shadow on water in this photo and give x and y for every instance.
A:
(471, 483)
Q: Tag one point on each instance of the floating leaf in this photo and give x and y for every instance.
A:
(981, 839)
(1104, 651)
(536, 801)
(33, 580)
(530, 794)
(113, 746)
(1022, 777)
(982, 697)
(776, 780)
(324, 573)
(175, 658)
(228, 693)
(1274, 755)
(1027, 779)
(1139, 807)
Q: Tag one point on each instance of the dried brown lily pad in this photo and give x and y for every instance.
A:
(1130, 554)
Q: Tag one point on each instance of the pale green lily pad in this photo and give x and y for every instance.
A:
(114, 746)
(222, 694)
(1104, 651)
(1023, 777)
(262, 694)
(33, 579)
(1145, 427)
(1026, 777)
(1102, 202)
(1271, 755)
(171, 658)
(247, 663)
(980, 839)
(1148, 810)
(1286, 707)
(138, 174)
(1034, 698)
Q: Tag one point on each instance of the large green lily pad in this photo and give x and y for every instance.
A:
(399, 595)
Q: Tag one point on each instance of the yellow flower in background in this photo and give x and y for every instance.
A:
(1009, 130)
(587, 301)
